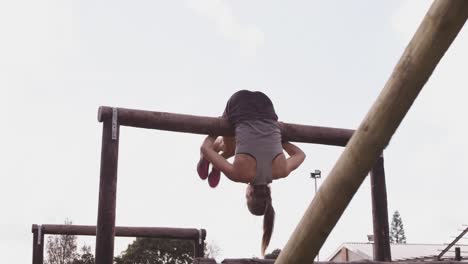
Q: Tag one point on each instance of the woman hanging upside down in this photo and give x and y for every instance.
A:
(258, 151)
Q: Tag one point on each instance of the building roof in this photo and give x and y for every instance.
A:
(402, 251)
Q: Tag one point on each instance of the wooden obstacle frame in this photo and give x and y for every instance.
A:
(197, 236)
(112, 118)
(361, 154)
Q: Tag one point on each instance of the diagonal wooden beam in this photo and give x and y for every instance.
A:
(435, 34)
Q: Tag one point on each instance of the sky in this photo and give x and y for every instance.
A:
(321, 62)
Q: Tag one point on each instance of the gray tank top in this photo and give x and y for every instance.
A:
(260, 139)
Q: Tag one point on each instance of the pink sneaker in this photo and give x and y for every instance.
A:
(214, 177)
(202, 168)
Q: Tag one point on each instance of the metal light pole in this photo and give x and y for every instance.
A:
(317, 174)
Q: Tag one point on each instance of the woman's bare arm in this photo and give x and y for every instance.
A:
(296, 156)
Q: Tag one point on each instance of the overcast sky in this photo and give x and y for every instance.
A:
(321, 62)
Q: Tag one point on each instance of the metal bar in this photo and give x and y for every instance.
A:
(114, 123)
(219, 126)
(380, 212)
(453, 251)
(438, 29)
(105, 229)
(39, 234)
(441, 254)
(126, 231)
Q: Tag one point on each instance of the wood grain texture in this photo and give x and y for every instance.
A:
(220, 127)
(435, 34)
(105, 228)
(125, 231)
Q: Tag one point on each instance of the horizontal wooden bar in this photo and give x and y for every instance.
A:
(125, 231)
(220, 126)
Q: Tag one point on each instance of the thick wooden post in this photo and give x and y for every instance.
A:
(380, 212)
(105, 229)
(432, 39)
(199, 244)
(38, 245)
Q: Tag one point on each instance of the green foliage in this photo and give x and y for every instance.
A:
(397, 232)
(274, 254)
(86, 256)
(62, 249)
(212, 250)
(157, 251)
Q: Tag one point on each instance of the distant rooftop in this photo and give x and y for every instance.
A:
(402, 252)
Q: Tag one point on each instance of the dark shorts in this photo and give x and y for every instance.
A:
(247, 106)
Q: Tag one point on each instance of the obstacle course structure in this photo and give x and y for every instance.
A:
(437, 31)
(197, 236)
(113, 118)
(432, 39)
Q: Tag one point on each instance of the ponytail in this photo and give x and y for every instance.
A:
(268, 225)
(259, 203)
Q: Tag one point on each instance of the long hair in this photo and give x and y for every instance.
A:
(259, 203)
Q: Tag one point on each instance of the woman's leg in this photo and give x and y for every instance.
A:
(222, 146)
(225, 147)
(203, 165)
(210, 149)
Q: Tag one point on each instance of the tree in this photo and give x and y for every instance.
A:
(274, 254)
(212, 250)
(86, 256)
(157, 251)
(397, 232)
(61, 249)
